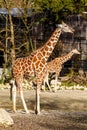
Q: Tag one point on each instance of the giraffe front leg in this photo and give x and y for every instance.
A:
(55, 84)
(49, 86)
(14, 97)
(37, 109)
(39, 82)
(56, 79)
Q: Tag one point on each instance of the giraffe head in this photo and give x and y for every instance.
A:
(75, 51)
(65, 28)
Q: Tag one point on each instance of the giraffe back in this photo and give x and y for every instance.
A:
(30, 65)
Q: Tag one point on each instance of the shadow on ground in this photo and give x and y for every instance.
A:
(64, 110)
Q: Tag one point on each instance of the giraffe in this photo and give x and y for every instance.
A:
(55, 66)
(34, 66)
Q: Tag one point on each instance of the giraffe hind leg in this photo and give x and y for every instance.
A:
(20, 89)
(46, 81)
(23, 101)
(13, 94)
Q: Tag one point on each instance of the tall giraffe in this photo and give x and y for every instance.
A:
(55, 66)
(34, 65)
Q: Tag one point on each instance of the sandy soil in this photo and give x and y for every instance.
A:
(63, 110)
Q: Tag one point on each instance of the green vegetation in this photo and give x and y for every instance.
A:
(60, 8)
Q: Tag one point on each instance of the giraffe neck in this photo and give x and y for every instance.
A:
(50, 44)
(66, 57)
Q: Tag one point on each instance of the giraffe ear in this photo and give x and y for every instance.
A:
(63, 22)
(59, 25)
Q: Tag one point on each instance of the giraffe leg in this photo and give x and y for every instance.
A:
(39, 82)
(19, 81)
(43, 88)
(46, 81)
(48, 85)
(55, 84)
(23, 101)
(37, 109)
(56, 79)
(14, 97)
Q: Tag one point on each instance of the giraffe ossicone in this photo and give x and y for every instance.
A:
(35, 65)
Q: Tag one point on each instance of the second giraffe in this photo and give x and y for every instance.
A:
(55, 66)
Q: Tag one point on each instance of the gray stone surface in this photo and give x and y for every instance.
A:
(5, 118)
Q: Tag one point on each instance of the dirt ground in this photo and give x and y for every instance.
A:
(63, 110)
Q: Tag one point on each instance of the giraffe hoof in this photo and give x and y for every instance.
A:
(27, 111)
(14, 111)
(37, 112)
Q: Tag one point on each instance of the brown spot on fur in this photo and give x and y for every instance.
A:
(37, 64)
(46, 48)
(41, 65)
(34, 59)
(23, 67)
(39, 56)
(48, 53)
(26, 65)
(49, 43)
(44, 52)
